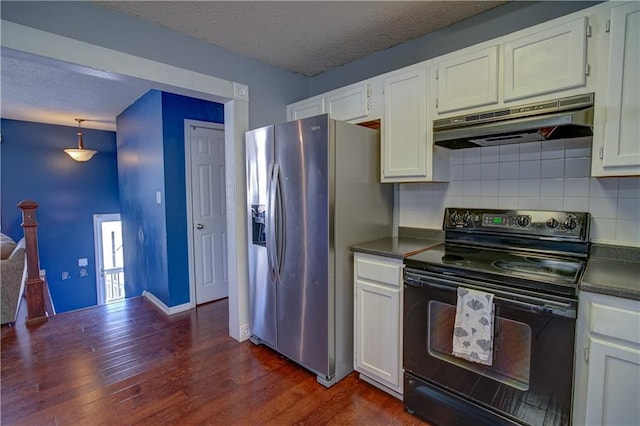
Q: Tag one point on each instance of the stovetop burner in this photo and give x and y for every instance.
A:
(500, 265)
(524, 267)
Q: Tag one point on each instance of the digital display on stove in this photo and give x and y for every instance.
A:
(496, 220)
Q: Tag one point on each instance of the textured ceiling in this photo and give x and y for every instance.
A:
(49, 92)
(307, 37)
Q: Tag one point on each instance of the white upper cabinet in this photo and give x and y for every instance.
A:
(468, 80)
(616, 140)
(408, 154)
(350, 104)
(305, 108)
(404, 129)
(545, 61)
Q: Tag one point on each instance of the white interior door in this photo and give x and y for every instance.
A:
(208, 213)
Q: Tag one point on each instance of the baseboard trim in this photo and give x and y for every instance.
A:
(164, 308)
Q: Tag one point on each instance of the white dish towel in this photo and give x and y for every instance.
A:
(473, 327)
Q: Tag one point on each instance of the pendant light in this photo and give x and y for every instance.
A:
(80, 154)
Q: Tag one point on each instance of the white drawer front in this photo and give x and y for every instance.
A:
(373, 270)
(615, 322)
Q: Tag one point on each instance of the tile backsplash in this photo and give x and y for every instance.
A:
(550, 175)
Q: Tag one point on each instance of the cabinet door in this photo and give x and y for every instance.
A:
(468, 81)
(613, 389)
(377, 332)
(306, 108)
(350, 104)
(546, 61)
(404, 128)
(621, 150)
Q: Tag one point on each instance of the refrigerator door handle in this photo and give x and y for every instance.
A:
(272, 253)
(269, 225)
(279, 221)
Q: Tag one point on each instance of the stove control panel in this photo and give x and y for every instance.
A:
(531, 222)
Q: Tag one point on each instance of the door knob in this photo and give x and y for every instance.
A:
(199, 226)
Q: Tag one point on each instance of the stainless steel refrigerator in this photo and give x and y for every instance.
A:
(313, 190)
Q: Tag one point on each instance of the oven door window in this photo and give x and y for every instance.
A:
(512, 346)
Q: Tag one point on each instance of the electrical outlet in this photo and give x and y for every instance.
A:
(245, 332)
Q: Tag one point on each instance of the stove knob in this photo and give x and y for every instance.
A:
(570, 223)
(552, 223)
(523, 221)
(466, 219)
(454, 218)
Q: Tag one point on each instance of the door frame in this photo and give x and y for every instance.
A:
(89, 58)
(188, 123)
(97, 220)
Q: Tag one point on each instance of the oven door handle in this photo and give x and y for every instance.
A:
(537, 304)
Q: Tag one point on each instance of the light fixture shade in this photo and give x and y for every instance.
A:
(80, 154)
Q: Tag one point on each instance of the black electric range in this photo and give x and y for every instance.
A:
(530, 263)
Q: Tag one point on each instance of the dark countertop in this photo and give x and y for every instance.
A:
(613, 278)
(607, 274)
(612, 270)
(396, 247)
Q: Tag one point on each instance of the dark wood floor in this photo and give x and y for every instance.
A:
(128, 363)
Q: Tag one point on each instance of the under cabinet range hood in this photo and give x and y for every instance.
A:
(555, 119)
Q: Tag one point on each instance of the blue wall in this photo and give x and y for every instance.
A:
(150, 159)
(175, 109)
(34, 166)
(141, 174)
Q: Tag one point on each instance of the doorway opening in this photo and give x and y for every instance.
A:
(107, 230)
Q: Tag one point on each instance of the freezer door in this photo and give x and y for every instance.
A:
(302, 157)
(262, 288)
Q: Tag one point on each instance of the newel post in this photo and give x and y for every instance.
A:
(34, 288)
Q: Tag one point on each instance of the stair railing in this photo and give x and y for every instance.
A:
(34, 287)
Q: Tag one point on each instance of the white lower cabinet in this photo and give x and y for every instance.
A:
(378, 321)
(607, 374)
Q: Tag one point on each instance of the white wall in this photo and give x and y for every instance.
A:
(552, 175)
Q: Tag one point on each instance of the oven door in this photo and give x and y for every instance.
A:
(530, 379)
